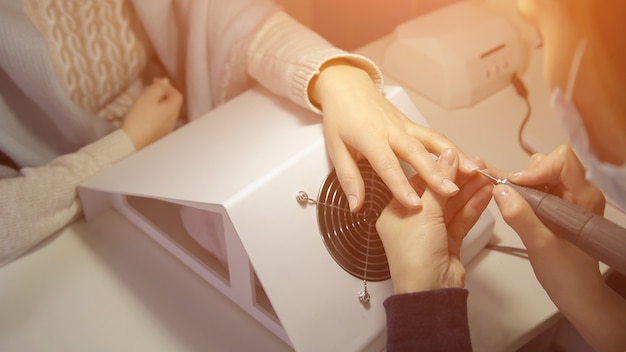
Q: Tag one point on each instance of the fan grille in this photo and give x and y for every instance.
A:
(351, 238)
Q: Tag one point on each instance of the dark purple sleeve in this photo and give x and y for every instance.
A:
(428, 321)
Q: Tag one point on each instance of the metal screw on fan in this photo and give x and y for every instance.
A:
(364, 296)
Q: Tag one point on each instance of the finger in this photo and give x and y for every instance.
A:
(157, 92)
(468, 191)
(418, 184)
(348, 173)
(420, 157)
(383, 153)
(436, 142)
(518, 214)
(161, 80)
(448, 161)
(374, 145)
(535, 159)
(473, 164)
(389, 169)
(463, 178)
(560, 165)
(468, 166)
(172, 96)
(162, 91)
(564, 174)
(466, 217)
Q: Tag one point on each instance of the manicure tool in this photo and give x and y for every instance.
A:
(594, 234)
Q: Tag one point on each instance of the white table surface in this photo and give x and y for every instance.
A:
(105, 286)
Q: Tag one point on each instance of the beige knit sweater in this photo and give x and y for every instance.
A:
(102, 52)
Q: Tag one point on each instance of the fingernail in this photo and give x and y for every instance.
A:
(447, 157)
(518, 174)
(352, 201)
(449, 186)
(414, 199)
(501, 194)
(470, 165)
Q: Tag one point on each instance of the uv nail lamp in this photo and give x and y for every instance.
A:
(457, 55)
(293, 256)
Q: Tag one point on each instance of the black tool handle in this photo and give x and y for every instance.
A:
(594, 234)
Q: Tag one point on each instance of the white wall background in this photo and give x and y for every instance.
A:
(350, 24)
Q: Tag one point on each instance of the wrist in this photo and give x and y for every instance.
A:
(136, 138)
(595, 297)
(333, 75)
(422, 278)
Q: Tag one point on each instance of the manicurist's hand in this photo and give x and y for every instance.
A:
(154, 114)
(423, 245)
(559, 265)
(571, 278)
(359, 121)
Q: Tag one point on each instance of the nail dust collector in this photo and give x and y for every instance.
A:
(272, 230)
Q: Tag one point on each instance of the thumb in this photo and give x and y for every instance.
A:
(518, 214)
(158, 90)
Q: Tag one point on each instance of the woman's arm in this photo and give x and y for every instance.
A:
(42, 200)
(570, 276)
(293, 61)
(428, 311)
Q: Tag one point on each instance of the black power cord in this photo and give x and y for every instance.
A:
(521, 90)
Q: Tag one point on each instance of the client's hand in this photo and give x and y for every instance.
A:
(423, 245)
(360, 122)
(154, 114)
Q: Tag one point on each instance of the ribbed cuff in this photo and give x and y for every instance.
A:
(428, 321)
(110, 148)
(311, 65)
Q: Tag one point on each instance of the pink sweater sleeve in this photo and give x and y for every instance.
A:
(41, 200)
(285, 55)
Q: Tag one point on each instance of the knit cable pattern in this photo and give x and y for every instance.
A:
(98, 49)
